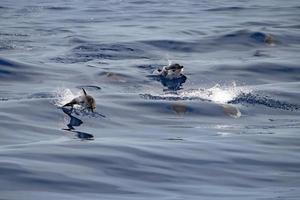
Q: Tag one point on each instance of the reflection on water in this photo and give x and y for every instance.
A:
(231, 111)
(84, 136)
(74, 121)
(173, 84)
(179, 108)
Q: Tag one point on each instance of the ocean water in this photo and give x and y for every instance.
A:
(231, 131)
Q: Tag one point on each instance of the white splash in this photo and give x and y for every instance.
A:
(224, 94)
(218, 94)
(64, 95)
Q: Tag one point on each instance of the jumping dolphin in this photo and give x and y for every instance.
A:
(170, 72)
(84, 100)
(170, 76)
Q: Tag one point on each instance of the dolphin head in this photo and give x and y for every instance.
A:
(174, 70)
(89, 101)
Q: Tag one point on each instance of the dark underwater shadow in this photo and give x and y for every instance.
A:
(75, 122)
(83, 135)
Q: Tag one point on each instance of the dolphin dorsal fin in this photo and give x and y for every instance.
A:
(84, 92)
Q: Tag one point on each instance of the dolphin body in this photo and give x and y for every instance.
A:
(84, 100)
(171, 76)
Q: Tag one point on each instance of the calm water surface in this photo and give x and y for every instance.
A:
(231, 131)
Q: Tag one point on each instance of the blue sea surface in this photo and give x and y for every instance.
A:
(230, 131)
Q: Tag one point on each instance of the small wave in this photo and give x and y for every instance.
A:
(174, 97)
(126, 78)
(77, 39)
(97, 10)
(41, 95)
(58, 8)
(14, 34)
(103, 47)
(237, 40)
(249, 37)
(265, 71)
(173, 45)
(15, 71)
(115, 77)
(90, 87)
(34, 96)
(274, 69)
(148, 67)
(4, 99)
(89, 51)
(232, 8)
(143, 2)
(256, 99)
